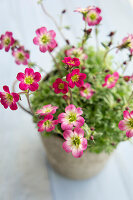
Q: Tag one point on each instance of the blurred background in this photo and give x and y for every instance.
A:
(24, 171)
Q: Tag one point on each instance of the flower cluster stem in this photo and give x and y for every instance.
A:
(71, 97)
(54, 21)
(106, 54)
(57, 65)
(96, 36)
(28, 100)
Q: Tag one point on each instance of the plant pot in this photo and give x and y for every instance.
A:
(65, 164)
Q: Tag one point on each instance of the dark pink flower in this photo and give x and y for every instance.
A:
(127, 123)
(47, 109)
(6, 41)
(9, 99)
(60, 86)
(45, 39)
(75, 78)
(29, 79)
(47, 124)
(75, 142)
(71, 117)
(86, 91)
(74, 62)
(111, 80)
(21, 56)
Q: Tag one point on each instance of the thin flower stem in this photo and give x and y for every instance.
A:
(128, 101)
(27, 95)
(84, 36)
(71, 98)
(23, 108)
(54, 21)
(57, 65)
(96, 36)
(106, 54)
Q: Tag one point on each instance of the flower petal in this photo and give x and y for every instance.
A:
(6, 89)
(77, 153)
(23, 86)
(15, 96)
(126, 115)
(13, 106)
(129, 133)
(67, 147)
(79, 132)
(83, 143)
(34, 86)
(68, 134)
(37, 76)
(20, 76)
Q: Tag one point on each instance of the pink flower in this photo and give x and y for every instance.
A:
(29, 79)
(74, 62)
(86, 91)
(127, 123)
(71, 117)
(75, 78)
(6, 41)
(84, 11)
(60, 86)
(75, 142)
(47, 109)
(127, 42)
(76, 52)
(21, 56)
(45, 39)
(48, 124)
(126, 78)
(110, 80)
(93, 16)
(9, 99)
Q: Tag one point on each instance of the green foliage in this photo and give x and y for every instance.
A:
(103, 111)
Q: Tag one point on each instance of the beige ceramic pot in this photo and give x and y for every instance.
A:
(65, 164)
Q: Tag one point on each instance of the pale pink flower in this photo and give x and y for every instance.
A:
(47, 124)
(111, 80)
(71, 117)
(47, 109)
(21, 56)
(86, 91)
(127, 42)
(127, 123)
(76, 52)
(84, 11)
(6, 41)
(75, 142)
(45, 39)
(93, 16)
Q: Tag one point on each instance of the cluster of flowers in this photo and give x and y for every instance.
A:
(71, 120)
(29, 79)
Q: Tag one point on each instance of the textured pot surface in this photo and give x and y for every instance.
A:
(74, 168)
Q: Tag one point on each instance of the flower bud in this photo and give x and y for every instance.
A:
(126, 78)
(92, 128)
(112, 33)
(63, 11)
(91, 137)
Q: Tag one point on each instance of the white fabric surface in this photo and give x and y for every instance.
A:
(23, 172)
